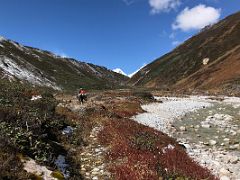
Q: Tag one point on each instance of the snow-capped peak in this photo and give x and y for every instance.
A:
(118, 70)
(2, 38)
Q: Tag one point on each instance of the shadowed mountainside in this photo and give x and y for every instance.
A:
(39, 67)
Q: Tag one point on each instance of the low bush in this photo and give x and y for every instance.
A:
(139, 152)
(144, 95)
(30, 127)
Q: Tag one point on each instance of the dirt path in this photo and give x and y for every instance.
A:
(93, 164)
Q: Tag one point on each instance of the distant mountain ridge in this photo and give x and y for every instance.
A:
(40, 67)
(208, 60)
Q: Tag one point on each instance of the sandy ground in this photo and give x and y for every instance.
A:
(206, 126)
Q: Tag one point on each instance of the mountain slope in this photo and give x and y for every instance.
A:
(46, 69)
(208, 60)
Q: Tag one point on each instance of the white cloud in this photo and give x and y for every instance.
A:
(175, 43)
(196, 18)
(163, 5)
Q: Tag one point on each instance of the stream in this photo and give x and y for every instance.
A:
(209, 128)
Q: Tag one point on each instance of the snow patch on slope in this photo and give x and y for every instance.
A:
(12, 69)
(2, 39)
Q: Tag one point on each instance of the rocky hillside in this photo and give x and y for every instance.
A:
(208, 60)
(39, 67)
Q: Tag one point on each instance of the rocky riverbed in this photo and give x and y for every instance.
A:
(208, 127)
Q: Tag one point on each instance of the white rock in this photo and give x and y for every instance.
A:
(182, 128)
(32, 167)
(226, 139)
(36, 98)
(206, 143)
(206, 125)
(234, 159)
(224, 178)
(197, 126)
(205, 61)
(95, 169)
(224, 172)
(233, 147)
(212, 142)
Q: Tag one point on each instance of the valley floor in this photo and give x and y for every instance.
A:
(208, 127)
(61, 138)
(120, 148)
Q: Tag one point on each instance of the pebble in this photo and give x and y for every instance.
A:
(197, 126)
(182, 128)
(234, 159)
(226, 139)
(206, 143)
(234, 147)
(95, 173)
(95, 169)
(223, 172)
(83, 169)
(212, 142)
(206, 125)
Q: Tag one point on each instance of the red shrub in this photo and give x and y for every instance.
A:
(176, 161)
(136, 153)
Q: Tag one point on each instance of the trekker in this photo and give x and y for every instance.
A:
(82, 95)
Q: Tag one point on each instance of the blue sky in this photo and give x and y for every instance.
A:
(114, 33)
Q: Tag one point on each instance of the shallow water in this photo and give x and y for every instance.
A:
(201, 134)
